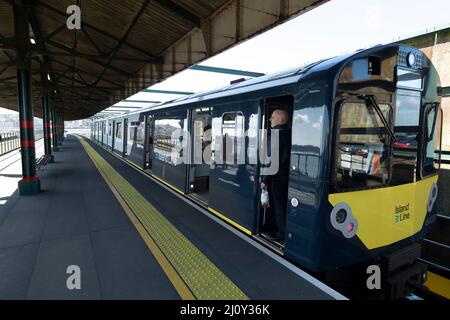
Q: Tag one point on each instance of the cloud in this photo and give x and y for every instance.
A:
(319, 123)
(302, 118)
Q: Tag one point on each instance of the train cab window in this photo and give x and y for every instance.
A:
(405, 149)
(432, 140)
(362, 146)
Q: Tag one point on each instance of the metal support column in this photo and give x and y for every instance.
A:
(47, 135)
(30, 183)
(58, 125)
(61, 127)
(54, 130)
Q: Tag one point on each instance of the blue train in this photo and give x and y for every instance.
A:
(364, 158)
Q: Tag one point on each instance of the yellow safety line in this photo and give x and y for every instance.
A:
(171, 273)
(174, 252)
(221, 216)
(438, 284)
(230, 221)
(167, 184)
(132, 163)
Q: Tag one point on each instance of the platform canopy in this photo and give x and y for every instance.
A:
(123, 46)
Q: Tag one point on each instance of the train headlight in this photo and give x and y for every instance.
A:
(341, 215)
(411, 59)
(342, 219)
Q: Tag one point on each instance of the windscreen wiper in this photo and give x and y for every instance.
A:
(370, 101)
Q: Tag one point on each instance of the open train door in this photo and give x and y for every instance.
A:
(268, 216)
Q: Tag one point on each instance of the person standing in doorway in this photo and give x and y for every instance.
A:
(277, 184)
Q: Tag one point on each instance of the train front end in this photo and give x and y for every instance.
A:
(385, 153)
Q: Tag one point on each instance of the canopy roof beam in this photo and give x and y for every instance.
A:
(227, 71)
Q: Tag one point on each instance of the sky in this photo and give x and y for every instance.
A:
(334, 28)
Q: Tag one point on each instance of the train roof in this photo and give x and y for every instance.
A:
(263, 82)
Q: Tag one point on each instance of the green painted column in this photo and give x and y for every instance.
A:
(47, 134)
(54, 130)
(30, 183)
(61, 127)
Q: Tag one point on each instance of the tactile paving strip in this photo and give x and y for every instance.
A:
(202, 277)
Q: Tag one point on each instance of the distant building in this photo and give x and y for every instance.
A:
(10, 122)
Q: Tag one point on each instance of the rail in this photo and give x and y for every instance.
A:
(10, 140)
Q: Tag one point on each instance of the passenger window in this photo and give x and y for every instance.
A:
(137, 128)
(233, 138)
(119, 131)
(362, 148)
(168, 146)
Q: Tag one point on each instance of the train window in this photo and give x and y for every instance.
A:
(407, 115)
(432, 140)
(119, 130)
(233, 144)
(409, 79)
(168, 146)
(109, 129)
(305, 164)
(307, 137)
(362, 149)
(137, 132)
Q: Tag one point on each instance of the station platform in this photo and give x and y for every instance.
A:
(131, 238)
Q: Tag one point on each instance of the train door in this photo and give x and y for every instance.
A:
(125, 137)
(113, 135)
(272, 220)
(109, 135)
(103, 133)
(148, 142)
(200, 165)
(232, 185)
